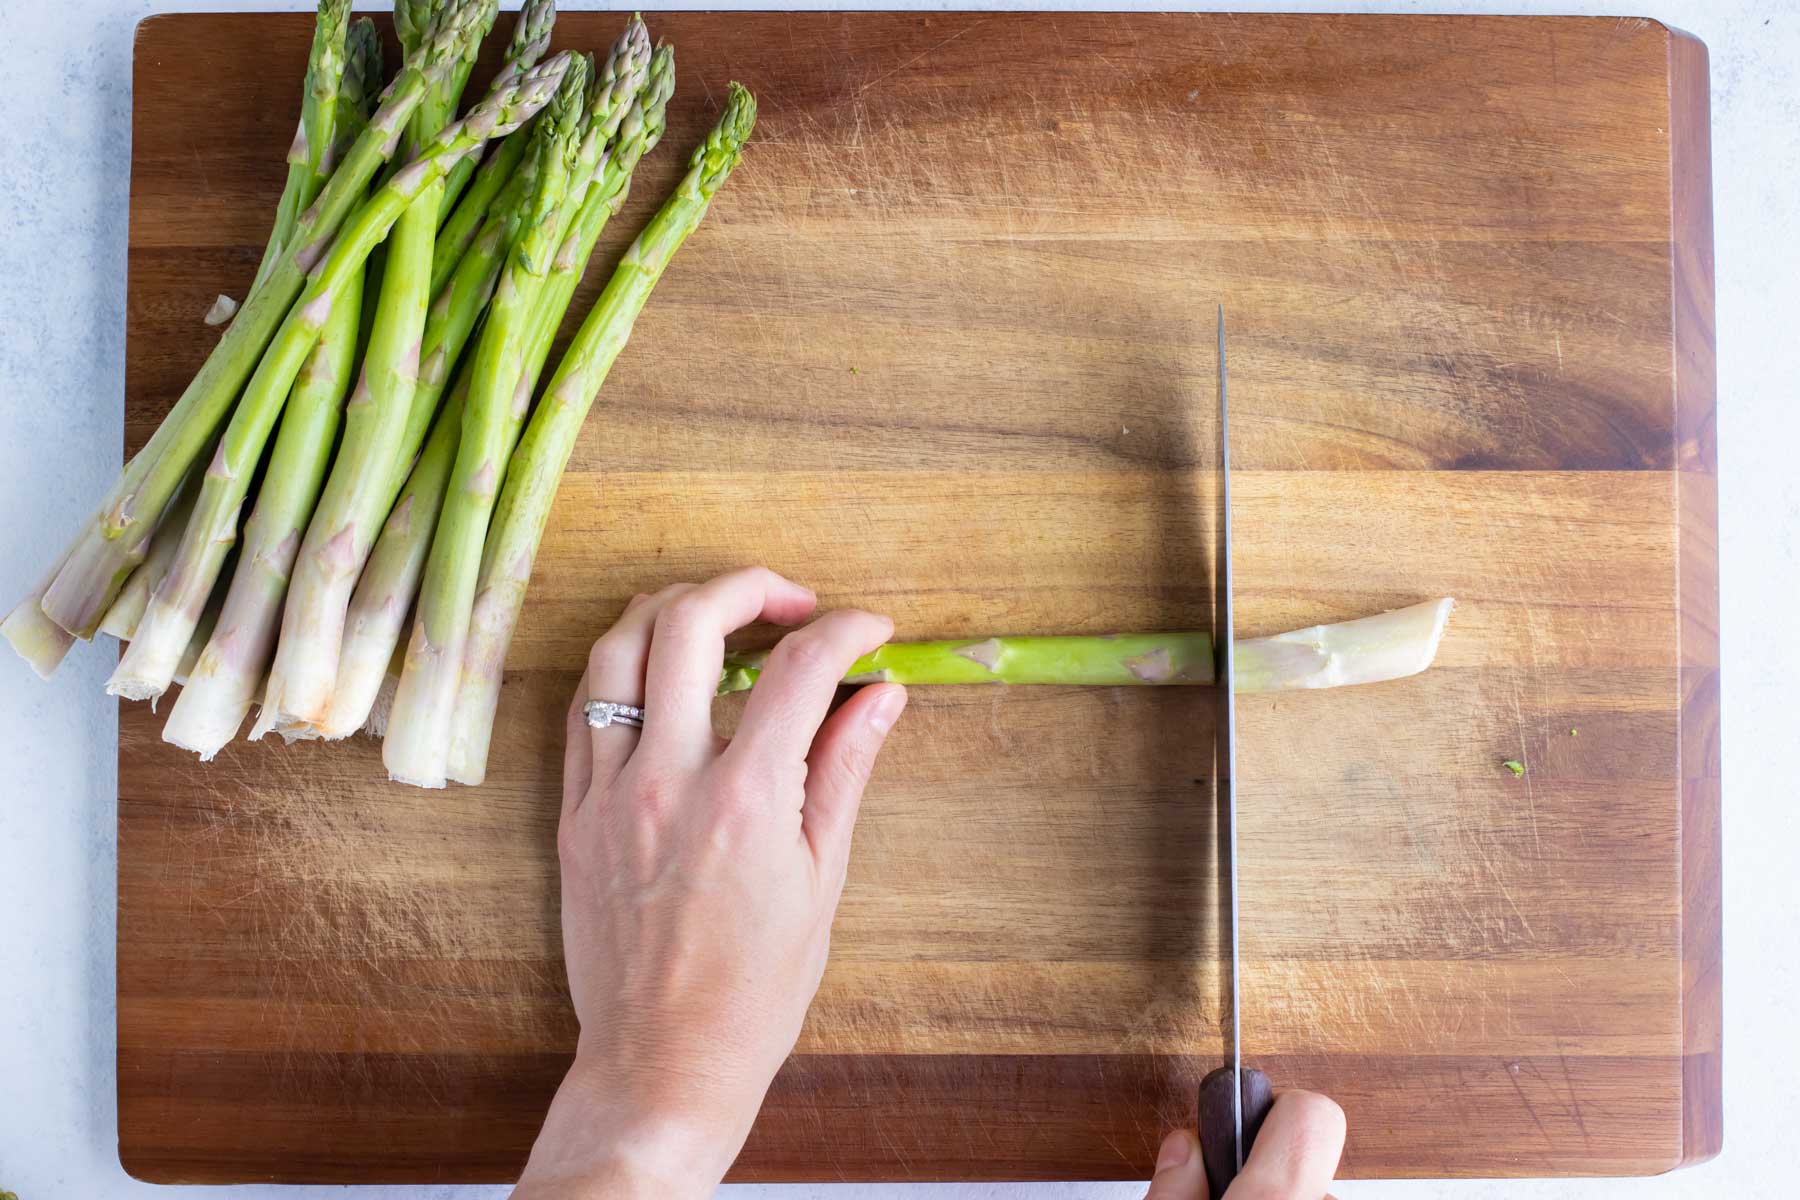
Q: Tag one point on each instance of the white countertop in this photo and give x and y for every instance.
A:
(63, 184)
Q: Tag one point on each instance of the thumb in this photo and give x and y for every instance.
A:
(1180, 1174)
(838, 767)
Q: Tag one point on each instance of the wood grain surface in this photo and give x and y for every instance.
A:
(943, 349)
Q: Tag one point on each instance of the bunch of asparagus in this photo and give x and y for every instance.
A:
(429, 258)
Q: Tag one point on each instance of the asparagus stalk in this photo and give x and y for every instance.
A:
(384, 594)
(148, 665)
(360, 86)
(537, 468)
(418, 737)
(530, 40)
(114, 543)
(456, 236)
(1390, 645)
(310, 157)
(121, 620)
(305, 669)
(223, 680)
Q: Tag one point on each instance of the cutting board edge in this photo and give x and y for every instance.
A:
(1696, 403)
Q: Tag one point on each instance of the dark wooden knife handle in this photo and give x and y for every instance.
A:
(1217, 1147)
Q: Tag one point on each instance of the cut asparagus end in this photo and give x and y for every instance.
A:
(1374, 649)
(37, 639)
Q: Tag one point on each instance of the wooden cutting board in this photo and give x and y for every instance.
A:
(943, 349)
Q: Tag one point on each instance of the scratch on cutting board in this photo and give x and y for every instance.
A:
(1512, 1075)
(923, 54)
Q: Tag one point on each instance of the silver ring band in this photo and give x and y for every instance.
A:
(602, 713)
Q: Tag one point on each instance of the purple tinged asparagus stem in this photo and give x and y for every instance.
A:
(148, 665)
(114, 543)
(223, 680)
(418, 736)
(363, 481)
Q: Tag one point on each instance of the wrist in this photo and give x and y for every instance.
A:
(600, 1139)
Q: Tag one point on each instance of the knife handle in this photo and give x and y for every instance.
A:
(1217, 1149)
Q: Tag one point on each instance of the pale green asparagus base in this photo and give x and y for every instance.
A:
(1374, 649)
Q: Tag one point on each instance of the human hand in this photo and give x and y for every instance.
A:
(699, 880)
(1295, 1155)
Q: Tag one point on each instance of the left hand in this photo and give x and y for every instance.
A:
(699, 879)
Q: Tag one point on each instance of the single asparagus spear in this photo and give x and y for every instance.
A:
(223, 680)
(360, 87)
(148, 665)
(385, 593)
(1390, 645)
(530, 40)
(114, 543)
(532, 478)
(418, 737)
(121, 620)
(310, 157)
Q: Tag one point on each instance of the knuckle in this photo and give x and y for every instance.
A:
(569, 842)
(655, 793)
(682, 616)
(609, 658)
(804, 653)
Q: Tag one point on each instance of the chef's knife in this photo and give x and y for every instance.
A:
(1233, 1100)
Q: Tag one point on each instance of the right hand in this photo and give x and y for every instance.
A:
(1294, 1158)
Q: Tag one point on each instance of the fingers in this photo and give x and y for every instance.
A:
(1180, 1173)
(616, 672)
(688, 650)
(1296, 1152)
(796, 687)
(838, 768)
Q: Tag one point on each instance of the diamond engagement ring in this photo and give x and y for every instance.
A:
(601, 713)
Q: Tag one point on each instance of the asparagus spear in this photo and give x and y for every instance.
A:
(417, 738)
(148, 665)
(530, 39)
(360, 86)
(1390, 645)
(111, 545)
(121, 620)
(222, 682)
(532, 478)
(456, 236)
(384, 594)
(309, 158)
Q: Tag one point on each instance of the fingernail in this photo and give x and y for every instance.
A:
(887, 709)
(1174, 1153)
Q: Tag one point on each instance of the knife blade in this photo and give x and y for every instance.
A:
(1233, 1100)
